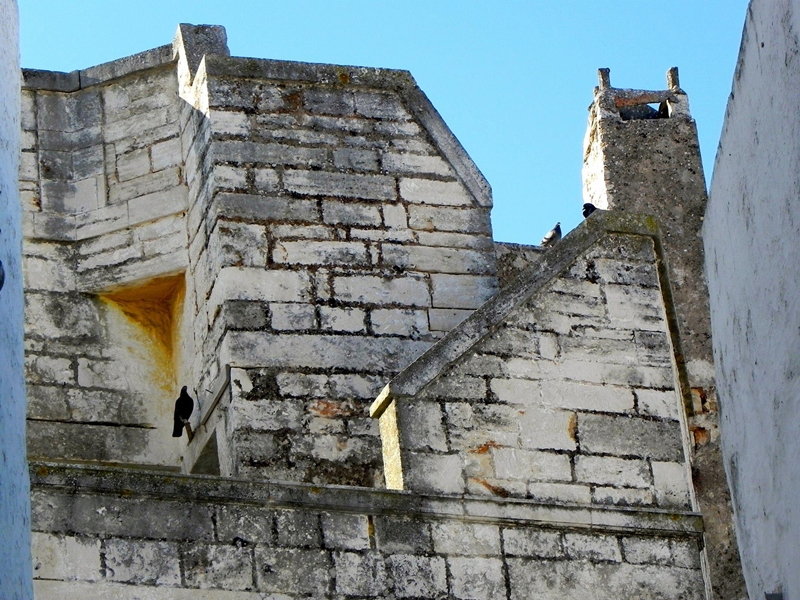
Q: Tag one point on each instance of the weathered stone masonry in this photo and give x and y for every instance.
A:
(286, 239)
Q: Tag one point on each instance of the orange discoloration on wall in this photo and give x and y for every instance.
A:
(155, 309)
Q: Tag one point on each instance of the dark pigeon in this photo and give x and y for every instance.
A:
(184, 406)
(552, 236)
(588, 209)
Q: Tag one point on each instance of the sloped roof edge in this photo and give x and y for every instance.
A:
(485, 319)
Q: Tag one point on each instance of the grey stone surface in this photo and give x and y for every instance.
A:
(750, 233)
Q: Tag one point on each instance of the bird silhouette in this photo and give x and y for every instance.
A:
(184, 406)
(588, 209)
(552, 236)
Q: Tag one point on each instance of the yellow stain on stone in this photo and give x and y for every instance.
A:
(154, 308)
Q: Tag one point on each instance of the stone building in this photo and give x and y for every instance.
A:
(389, 403)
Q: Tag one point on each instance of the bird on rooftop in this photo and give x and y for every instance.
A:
(184, 406)
(552, 236)
(588, 209)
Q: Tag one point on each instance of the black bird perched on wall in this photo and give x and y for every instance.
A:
(552, 236)
(184, 406)
(588, 209)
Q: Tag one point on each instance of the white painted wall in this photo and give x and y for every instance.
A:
(15, 562)
(752, 239)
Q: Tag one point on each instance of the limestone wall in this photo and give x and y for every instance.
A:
(180, 537)
(572, 397)
(14, 505)
(752, 258)
(188, 212)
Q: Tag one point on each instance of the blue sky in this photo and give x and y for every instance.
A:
(512, 79)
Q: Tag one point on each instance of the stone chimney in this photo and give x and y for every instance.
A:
(642, 155)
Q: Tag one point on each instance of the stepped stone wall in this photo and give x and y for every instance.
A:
(285, 239)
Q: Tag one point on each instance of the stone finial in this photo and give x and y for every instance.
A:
(604, 77)
(673, 82)
(193, 42)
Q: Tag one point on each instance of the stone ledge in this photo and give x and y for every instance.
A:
(199, 489)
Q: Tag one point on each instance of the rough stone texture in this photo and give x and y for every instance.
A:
(15, 570)
(287, 238)
(278, 196)
(750, 234)
(169, 536)
(648, 162)
(548, 395)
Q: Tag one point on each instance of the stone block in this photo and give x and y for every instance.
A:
(622, 496)
(351, 213)
(302, 232)
(298, 528)
(360, 574)
(342, 319)
(320, 253)
(685, 553)
(463, 538)
(65, 557)
(403, 162)
(445, 319)
(267, 415)
(329, 102)
(144, 185)
(345, 532)
(354, 385)
(218, 566)
(380, 106)
(133, 164)
(477, 578)
(402, 322)
(671, 484)
(596, 548)
(49, 369)
(560, 492)
(547, 429)
(400, 535)
(357, 159)
(653, 551)
(394, 216)
(370, 289)
(72, 196)
(634, 307)
(240, 283)
(426, 191)
(421, 426)
(264, 209)
(418, 576)
(267, 180)
(166, 154)
(579, 580)
(607, 470)
(240, 152)
(144, 562)
(293, 571)
(580, 396)
(438, 260)
(302, 385)
(658, 403)
(47, 402)
(292, 317)
(462, 291)
(438, 473)
(450, 386)
(527, 465)
(517, 391)
(532, 542)
(630, 436)
(440, 218)
(320, 183)
(229, 122)
(251, 524)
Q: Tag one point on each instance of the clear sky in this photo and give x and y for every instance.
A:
(511, 78)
